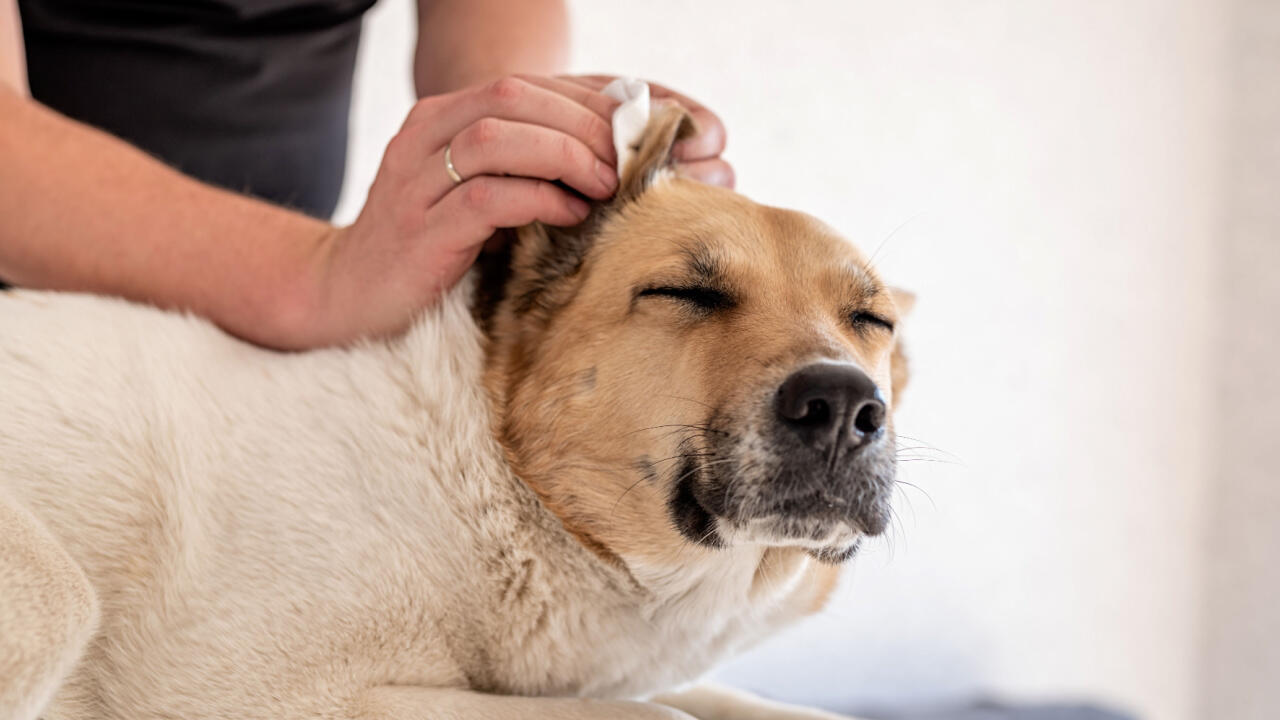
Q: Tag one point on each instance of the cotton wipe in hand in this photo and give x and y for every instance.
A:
(630, 118)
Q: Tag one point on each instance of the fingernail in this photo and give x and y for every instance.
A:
(578, 207)
(608, 178)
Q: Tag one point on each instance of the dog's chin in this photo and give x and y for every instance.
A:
(723, 510)
(826, 540)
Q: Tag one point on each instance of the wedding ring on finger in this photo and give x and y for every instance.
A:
(448, 164)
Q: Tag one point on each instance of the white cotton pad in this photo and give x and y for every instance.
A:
(630, 118)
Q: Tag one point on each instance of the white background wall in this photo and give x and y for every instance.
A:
(1242, 658)
(1047, 176)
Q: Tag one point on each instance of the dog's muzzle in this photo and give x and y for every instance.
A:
(836, 463)
(818, 469)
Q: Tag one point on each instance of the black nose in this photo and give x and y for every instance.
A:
(831, 404)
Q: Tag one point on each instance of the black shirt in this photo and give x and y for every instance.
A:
(251, 95)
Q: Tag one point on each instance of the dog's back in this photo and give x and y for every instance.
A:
(205, 487)
(122, 422)
(90, 388)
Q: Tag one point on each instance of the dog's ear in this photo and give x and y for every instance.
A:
(530, 275)
(533, 270)
(544, 259)
(903, 300)
(899, 367)
(899, 371)
(668, 124)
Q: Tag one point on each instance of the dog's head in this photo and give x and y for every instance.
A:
(689, 368)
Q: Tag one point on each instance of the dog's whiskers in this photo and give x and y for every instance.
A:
(870, 263)
(699, 402)
(918, 489)
(703, 427)
(929, 446)
(928, 460)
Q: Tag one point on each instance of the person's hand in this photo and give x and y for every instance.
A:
(699, 156)
(516, 144)
(420, 230)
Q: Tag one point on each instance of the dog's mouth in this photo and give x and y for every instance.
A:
(718, 500)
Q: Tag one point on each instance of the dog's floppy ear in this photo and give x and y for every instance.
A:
(668, 124)
(903, 300)
(532, 270)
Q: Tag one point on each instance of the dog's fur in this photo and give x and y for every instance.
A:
(479, 519)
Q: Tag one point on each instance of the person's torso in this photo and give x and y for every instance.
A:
(251, 95)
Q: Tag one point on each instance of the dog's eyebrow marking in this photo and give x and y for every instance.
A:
(862, 284)
(701, 281)
(703, 264)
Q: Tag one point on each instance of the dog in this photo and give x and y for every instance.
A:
(613, 456)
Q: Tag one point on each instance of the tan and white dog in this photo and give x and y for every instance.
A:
(608, 460)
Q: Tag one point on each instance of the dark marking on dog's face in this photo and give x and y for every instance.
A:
(742, 377)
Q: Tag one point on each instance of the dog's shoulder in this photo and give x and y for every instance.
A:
(73, 335)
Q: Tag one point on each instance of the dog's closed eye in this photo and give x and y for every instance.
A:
(701, 297)
(862, 320)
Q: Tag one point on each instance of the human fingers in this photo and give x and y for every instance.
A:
(436, 120)
(590, 97)
(710, 137)
(470, 213)
(712, 172)
(501, 147)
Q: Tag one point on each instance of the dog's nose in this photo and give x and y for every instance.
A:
(832, 404)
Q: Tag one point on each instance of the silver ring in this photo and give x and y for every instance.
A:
(448, 164)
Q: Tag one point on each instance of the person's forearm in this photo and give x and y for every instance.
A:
(13, 67)
(83, 211)
(466, 42)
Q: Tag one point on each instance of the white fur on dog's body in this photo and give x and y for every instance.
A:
(274, 535)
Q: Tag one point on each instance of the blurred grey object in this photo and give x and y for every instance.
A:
(988, 710)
